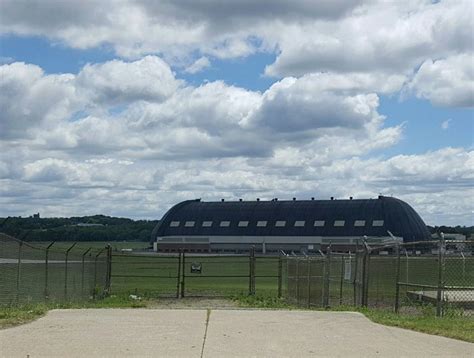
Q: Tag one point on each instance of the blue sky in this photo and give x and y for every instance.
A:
(100, 118)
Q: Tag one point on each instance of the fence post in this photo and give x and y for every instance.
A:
(287, 277)
(397, 279)
(364, 262)
(365, 275)
(18, 272)
(252, 271)
(178, 274)
(46, 273)
(327, 274)
(108, 278)
(184, 273)
(342, 280)
(83, 269)
(280, 274)
(94, 289)
(309, 280)
(65, 270)
(297, 276)
(356, 272)
(439, 296)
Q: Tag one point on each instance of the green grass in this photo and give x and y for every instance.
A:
(453, 327)
(13, 316)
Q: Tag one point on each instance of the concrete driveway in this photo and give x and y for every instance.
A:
(218, 333)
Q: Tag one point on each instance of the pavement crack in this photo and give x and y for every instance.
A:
(208, 315)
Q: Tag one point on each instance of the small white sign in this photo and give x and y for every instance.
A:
(310, 247)
(347, 269)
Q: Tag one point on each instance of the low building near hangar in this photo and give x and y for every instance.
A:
(302, 226)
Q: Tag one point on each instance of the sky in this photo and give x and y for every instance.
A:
(125, 108)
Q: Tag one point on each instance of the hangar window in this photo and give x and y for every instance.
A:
(261, 223)
(299, 223)
(319, 223)
(174, 224)
(206, 223)
(339, 222)
(225, 224)
(189, 224)
(280, 223)
(377, 223)
(359, 223)
(243, 223)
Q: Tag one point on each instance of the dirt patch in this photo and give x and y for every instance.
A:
(193, 303)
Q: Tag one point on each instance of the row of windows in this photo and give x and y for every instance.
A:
(279, 223)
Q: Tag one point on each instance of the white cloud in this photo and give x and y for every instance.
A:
(445, 124)
(446, 82)
(379, 36)
(379, 43)
(161, 117)
(303, 137)
(30, 99)
(118, 82)
(199, 65)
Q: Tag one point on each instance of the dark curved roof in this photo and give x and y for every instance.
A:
(398, 217)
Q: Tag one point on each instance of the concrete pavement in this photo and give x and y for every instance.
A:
(222, 333)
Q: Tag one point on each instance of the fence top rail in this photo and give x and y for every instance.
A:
(146, 255)
(73, 250)
(406, 245)
(6, 237)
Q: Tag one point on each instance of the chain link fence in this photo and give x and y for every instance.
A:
(196, 275)
(424, 277)
(34, 274)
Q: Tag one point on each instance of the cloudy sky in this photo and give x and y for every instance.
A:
(127, 107)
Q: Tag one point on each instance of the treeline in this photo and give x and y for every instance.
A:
(85, 228)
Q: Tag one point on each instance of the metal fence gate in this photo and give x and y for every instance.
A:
(193, 275)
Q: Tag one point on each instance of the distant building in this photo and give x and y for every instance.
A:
(459, 245)
(88, 225)
(36, 216)
(291, 225)
(449, 236)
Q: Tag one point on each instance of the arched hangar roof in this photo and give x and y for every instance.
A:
(358, 217)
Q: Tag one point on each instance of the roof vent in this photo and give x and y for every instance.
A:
(332, 197)
(222, 200)
(258, 199)
(240, 199)
(294, 199)
(350, 198)
(312, 198)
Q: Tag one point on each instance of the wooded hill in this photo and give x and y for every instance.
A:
(85, 228)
